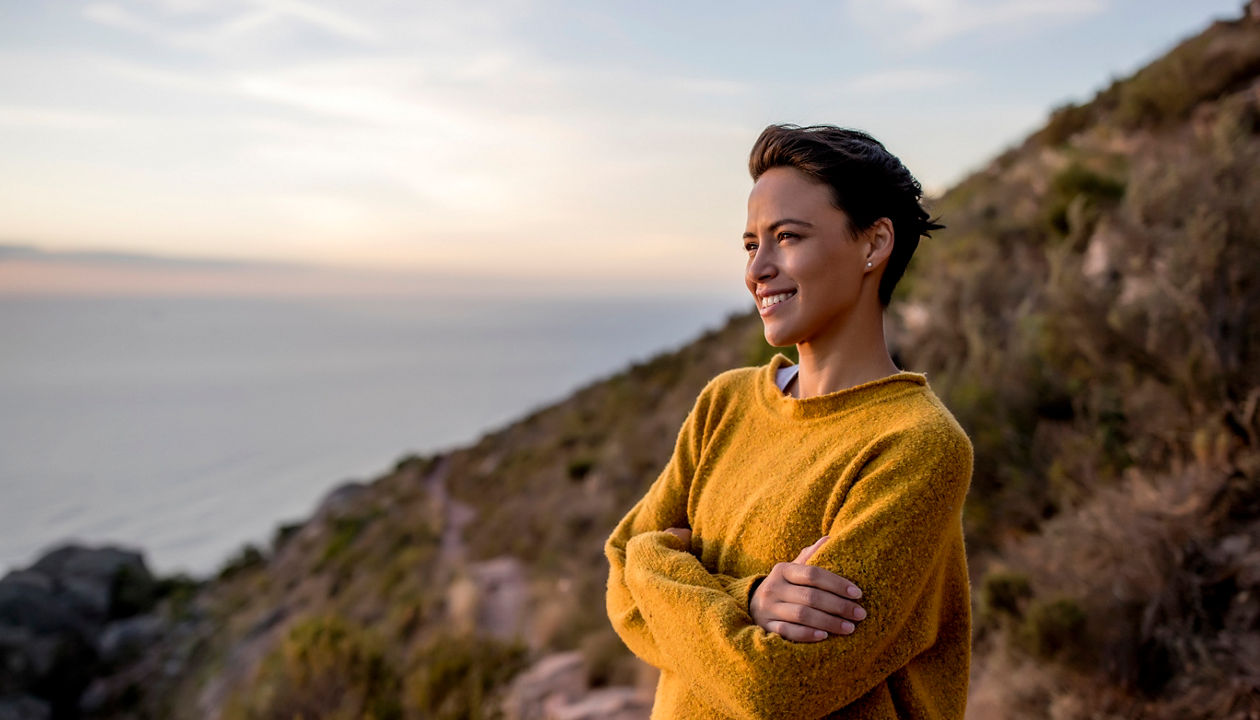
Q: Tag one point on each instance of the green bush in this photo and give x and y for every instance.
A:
(132, 592)
(1004, 593)
(178, 591)
(420, 462)
(580, 467)
(247, 558)
(607, 661)
(1055, 630)
(1202, 68)
(325, 669)
(459, 675)
(1065, 121)
(1076, 181)
(344, 532)
(283, 534)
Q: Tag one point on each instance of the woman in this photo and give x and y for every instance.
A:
(844, 454)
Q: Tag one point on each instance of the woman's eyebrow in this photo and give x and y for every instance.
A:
(785, 221)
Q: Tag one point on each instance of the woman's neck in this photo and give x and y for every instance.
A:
(853, 353)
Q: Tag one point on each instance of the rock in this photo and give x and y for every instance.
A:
(489, 599)
(29, 578)
(267, 622)
(1105, 245)
(100, 583)
(561, 676)
(24, 707)
(55, 623)
(25, 658)
(52, 666)
(125, 640)
(96, 698)
(39, 609)
(613, 703)
(339, 501)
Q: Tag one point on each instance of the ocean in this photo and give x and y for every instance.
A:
(186, 427)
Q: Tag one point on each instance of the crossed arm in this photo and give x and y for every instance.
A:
(887, 538)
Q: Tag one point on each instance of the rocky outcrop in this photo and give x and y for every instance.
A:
(612, 703)
(560, 677)
(24, 707)
(556, 688)
(74, 614)
(489, 598)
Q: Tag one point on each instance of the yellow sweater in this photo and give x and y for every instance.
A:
(757, 475)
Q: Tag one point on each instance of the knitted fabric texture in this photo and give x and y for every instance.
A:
(883, 468)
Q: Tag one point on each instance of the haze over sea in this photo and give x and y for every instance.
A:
(188, 426)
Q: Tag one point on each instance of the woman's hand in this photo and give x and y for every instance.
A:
(797, 601)
(683, 533)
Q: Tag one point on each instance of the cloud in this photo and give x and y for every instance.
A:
(906, 80)
(57, 118)
(215, 28)
(920, 24)
(514, 133)
(321, 17)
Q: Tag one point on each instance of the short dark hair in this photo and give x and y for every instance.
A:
(867, 182)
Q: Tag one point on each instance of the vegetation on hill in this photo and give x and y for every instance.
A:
(1088, 316)
(1091, 321)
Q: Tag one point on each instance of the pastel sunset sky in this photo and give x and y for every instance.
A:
(514, 145)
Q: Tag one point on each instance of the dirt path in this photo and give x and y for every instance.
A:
(455, 517)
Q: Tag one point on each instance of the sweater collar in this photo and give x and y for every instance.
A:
(834, 403)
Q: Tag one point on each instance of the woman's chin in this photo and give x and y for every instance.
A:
(778, 340)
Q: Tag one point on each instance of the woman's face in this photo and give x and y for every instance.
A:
(799, 245)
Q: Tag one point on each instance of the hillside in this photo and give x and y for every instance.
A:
(1089, 315)
(1091, 321)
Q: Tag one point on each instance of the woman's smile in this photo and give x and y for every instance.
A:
(771, 303)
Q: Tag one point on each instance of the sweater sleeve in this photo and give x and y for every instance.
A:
(888, 537)
(662, 507)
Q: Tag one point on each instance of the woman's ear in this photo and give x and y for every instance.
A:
(879, 236)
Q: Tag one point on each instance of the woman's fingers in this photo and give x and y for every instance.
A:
(683, 533)
(805, 553)
(805, 603)
(796, 600)
(822, 602)
(808, 617)
(821, 578)
(798, 633)
(798, 618)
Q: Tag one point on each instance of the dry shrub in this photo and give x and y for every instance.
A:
(607, 661)
(460, 677)
(1008, 683)
(326, 668)
(1004, 593)
(1136, 559)
(1162, 575)
(1199, 69)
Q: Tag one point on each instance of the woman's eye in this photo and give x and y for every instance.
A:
(786, 235)
(750, 246)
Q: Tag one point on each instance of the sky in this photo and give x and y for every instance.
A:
(534, 146)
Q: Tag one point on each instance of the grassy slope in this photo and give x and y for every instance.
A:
(1089, 317)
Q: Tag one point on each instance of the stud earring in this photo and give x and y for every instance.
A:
(868, 263)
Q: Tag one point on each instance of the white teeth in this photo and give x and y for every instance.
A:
(774, 299)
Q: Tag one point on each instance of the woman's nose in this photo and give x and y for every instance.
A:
(761, 267)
